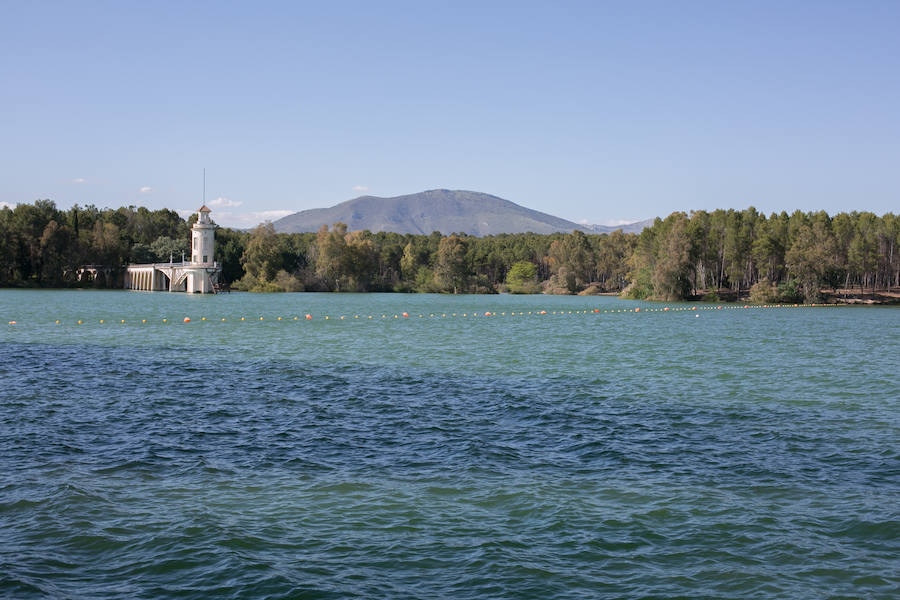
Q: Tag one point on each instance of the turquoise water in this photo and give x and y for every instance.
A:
(740, 453)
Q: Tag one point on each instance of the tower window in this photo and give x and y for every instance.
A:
(204, 258)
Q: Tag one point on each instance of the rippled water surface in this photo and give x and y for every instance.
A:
(750, 453)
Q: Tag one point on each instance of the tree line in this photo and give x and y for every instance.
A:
(782, 256)
(779, 257)
(43, 246)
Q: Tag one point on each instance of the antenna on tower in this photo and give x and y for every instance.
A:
(204, 186)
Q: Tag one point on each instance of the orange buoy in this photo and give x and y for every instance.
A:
(637, 310)
(308, 317)
(187, 319)
(487, 314)
(13, 322)
(666, 309)
(405, 315)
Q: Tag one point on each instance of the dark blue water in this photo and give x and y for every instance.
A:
(747, 453)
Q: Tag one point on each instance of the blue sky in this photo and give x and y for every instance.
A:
(591, 111)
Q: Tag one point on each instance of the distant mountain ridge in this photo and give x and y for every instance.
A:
(446, 211)
(636, 227)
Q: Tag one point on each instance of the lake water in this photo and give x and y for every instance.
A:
(733, 453)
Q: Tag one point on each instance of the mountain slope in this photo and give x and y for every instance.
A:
(636, 227)
(447, 211)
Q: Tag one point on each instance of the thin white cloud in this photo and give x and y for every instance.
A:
(617, 222)
(6, 205)
(360, 188)
(275, 214)
(247, 220)
(79, 180)
(223, 202)
(146, 189)
(608, 222)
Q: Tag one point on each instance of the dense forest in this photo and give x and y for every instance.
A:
(731, 253)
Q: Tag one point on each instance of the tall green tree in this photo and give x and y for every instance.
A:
(330, 259)
(451, 269)
(672, 268)
(262, 257)
(572, 261)
(812, 254)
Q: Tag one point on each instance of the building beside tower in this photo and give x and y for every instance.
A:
(199, 275)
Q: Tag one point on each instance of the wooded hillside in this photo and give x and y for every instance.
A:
(779, 257)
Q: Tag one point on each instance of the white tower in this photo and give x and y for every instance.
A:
(202, 238)
(202, 266)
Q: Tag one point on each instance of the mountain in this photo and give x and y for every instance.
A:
(447, 211)
(636, 227)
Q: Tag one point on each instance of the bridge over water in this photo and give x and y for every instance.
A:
(173, 277)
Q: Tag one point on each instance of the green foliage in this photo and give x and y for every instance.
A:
(163, 249)
(287, 282)
(330, 246)
(527, 287)
(425, 281)
(522, 279)
(521, 272)
(683, 255)
(763, 292)
(451, 269)
(229, 249)
(571, 262)
(672, 266)
(789, 291)
(262, 257)
(612, 252)
(641, 286)
(811, 255)
(142, 254)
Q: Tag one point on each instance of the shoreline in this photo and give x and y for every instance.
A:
(881, 297)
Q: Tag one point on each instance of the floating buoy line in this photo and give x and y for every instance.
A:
(438, 315)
